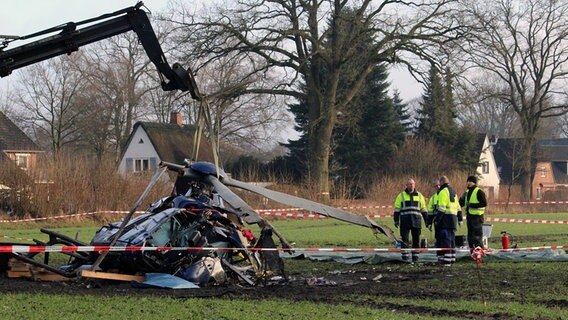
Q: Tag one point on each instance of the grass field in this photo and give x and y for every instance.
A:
(334, 233)
(520, 290)
(330, 232)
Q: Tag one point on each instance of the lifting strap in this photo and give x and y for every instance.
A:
(204, 120)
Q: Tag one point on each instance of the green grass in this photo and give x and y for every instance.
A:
(82, 233)
(510, 288)
(506, 310)
(331, 232)
(334, 233)
(26, 306)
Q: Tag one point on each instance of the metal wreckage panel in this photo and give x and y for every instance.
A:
(195, 216)
(179, 222)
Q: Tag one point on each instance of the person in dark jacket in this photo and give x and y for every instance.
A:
(409, 210)
(474, 201)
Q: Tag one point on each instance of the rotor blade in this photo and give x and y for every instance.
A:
(248, 213)
(312, 206)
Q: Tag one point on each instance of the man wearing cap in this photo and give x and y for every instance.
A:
(474, 202)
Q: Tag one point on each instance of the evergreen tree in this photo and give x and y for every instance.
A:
(401, 109)
(363, 146)
(295, 163)
(367, 130)
(364, 139)
(437, 121)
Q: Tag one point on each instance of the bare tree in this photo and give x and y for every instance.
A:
(5, 104)
(564, 125)
(513, 151)
(47, 96)
(302, 41)
(246, 120)
(94, 122)
(481, 110)
(524, 43)
(162, 103)
(115, 71)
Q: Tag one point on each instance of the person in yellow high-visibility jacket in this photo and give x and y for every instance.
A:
(409, 210)
(474, 201)
(448, 216)
(432, 206)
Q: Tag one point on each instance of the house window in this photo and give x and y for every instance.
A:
(23, 160)
(141, 165)
(485, 167)
(134, 165)
(543, 172)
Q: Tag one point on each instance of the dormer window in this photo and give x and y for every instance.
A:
(23, 160)
(141, 165)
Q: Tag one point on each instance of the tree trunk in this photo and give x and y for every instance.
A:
(319, 155)
(530, 126)
(321, 123)
(526, 167)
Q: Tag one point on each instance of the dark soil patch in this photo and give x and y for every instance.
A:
(359, 285)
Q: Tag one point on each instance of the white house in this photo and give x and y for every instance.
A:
(150, 143)
(487, 173)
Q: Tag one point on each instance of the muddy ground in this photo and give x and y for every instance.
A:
(333, 283)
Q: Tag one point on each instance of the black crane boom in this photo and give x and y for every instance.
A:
(70, 38)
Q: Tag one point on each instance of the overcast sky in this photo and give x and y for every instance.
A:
(23, 17)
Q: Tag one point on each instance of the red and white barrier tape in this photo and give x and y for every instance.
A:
(285, 212)
(373, 216)
(525, 221)
(391, 206)
(528, 202)
(65, 216)
(49, 218)
(68, 249)
(298, 214)
(278, 210)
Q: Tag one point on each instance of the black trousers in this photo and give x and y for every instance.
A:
(446, 239)
(404, 235)
(475, 230)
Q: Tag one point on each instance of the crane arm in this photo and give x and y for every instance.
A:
(70, 38)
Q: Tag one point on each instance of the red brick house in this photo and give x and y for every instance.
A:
(550, 180)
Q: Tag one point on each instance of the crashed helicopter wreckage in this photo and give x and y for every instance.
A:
(202, 212)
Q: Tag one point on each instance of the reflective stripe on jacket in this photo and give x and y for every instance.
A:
(409, 209)
(448, 212)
